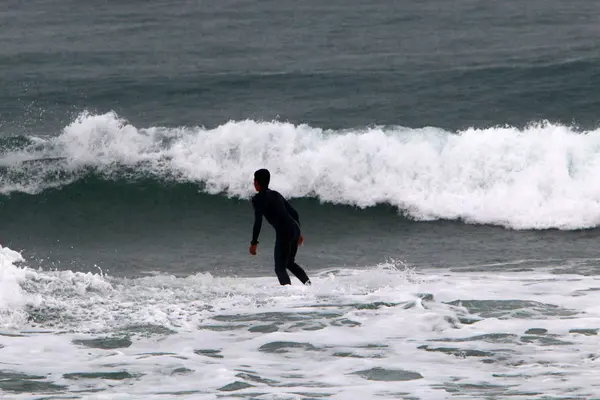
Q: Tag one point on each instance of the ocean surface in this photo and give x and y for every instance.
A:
(444, 157)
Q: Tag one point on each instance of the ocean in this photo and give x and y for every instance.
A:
(444, 158)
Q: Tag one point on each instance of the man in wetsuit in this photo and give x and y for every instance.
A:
(284, 218)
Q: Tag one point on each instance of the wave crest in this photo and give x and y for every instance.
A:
(543, 176)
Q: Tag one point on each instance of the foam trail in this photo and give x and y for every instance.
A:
(381, 331)
(544, 176)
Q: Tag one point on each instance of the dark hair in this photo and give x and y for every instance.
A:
(263, 177)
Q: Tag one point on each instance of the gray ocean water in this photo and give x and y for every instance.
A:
(334, 65)
(449, 136)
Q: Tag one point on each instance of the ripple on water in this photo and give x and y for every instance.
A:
(16, 382)
(237, 385)
(252, 377)
(264, 328)
(269, 322)
(104, 343)
(536, 331)
(481, 390)
(462, 353)
(142, 356)
(180, 393)
(586, 332)
(147, 330)
(278, 317)
(113, 375)
(546, 340)
(208, 353)
(285, 347)
(181, 371)
(388, 375)
(313, 395)
(488, 337)
(505, 309)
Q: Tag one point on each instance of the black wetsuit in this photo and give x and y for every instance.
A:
(284, 219)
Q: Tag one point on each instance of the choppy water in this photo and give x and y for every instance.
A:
(380, 332)
(443, 157)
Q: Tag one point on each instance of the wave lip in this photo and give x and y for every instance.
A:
(540, 177)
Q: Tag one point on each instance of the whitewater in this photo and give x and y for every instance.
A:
(385, 331)
(543, 176)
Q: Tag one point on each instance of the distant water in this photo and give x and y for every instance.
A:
(444, 158)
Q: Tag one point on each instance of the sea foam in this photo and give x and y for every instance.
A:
(543, 176)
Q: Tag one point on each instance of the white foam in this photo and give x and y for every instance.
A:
(348, 321)
(12, 297)
(22, 287)
(544, 176)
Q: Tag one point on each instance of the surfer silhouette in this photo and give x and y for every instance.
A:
(286, 222)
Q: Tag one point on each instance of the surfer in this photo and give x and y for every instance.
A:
(285, 220)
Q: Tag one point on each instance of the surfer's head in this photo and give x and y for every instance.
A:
(262, 177)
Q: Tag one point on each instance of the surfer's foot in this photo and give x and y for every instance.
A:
(307, 283)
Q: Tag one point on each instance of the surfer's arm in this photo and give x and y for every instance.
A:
(257, 223)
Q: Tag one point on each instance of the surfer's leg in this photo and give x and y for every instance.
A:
(281, 255)
(291, 263)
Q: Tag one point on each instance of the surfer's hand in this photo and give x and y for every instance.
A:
(300, 240)
(252, 249)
